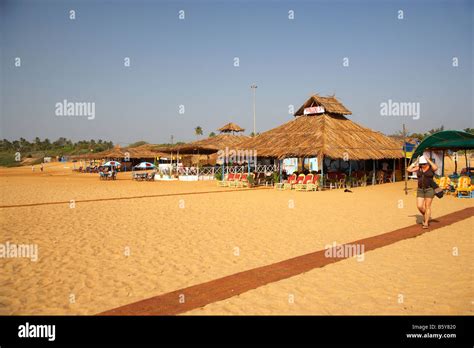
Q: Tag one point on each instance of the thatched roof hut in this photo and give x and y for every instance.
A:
(209, 145)
(115, 152)
(213, 144)
(328, 133)
(231, 127)
(143, 151)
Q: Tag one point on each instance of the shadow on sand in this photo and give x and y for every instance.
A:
(419, 219)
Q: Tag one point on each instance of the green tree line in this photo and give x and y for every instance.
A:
(421, 136)
(61, 146)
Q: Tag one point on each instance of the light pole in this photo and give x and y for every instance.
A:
(254, 87)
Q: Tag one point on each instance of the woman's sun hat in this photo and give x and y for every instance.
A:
(422, 160)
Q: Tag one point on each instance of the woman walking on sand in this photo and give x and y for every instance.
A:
(424, 169)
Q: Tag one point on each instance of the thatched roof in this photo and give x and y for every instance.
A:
(208, 145)
(85, 156)
(115, 152)
(330, 104)
(231, 127)
(330, 135)
(143, 151)
(401, 140)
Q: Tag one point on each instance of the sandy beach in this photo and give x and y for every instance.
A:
(106, 244)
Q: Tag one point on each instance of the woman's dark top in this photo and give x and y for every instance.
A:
(425, 179)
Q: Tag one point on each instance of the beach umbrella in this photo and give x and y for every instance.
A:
(145, 165)
(111, 164)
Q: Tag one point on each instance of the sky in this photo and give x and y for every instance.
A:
(423, 58)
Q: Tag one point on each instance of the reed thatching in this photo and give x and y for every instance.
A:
(209, 145)
(330, 104)
(231, 127)
(329, 135)
(86, 156)
(401, 140)
(143, 151)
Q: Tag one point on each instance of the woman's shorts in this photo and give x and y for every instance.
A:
(425, 193)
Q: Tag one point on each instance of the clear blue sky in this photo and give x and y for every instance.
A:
(190, 62)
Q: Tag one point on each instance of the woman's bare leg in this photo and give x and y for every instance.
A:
(427, 210)
(420, 204)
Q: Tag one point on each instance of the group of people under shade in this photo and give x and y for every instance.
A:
(107, 173)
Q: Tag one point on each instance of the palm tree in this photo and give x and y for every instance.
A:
(198, 131)
(46, 144)
(37, 143)
(469, 130)
(24, 144)
(436, 130)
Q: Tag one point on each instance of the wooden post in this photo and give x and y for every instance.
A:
(373, 172)
(223, 170)
(177, 160)
(280, 165)
(456, 163)
(199, 157)
(393, 171)
(442, 165)
(322, 172)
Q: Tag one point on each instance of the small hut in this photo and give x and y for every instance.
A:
(129, 156)
(211, 145)
(231, 128)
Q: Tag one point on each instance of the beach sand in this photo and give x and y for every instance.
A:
(134, 240)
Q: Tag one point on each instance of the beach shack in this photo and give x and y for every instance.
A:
(127, 156)
(322, 138)
(199, 168)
